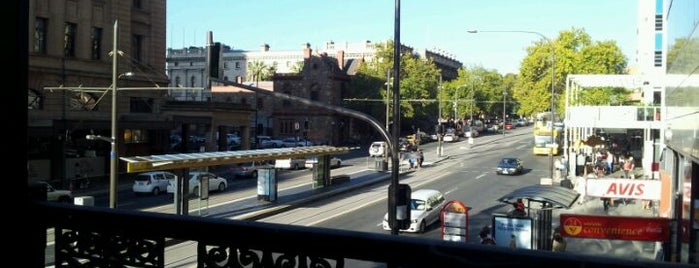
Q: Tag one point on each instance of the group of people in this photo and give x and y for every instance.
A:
(415, 159)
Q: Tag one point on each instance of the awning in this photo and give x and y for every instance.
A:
(557, 196)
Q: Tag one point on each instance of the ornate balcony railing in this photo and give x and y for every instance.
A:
(87, 236)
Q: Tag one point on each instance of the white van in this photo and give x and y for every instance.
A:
(425, 206)
(290, 163)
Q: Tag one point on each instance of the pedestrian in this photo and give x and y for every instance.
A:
(420, 158)
(411, 160)
(486, 236)
(580, 164)
(610, 162)
(628, 167)
(559, 244)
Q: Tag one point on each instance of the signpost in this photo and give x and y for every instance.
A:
(454, 219)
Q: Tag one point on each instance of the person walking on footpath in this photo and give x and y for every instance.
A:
(580, 164)
(628, 167)
(420, 158)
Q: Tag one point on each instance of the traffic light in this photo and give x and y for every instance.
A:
(399, 207)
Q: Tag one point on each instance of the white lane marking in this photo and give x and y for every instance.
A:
(481, 176)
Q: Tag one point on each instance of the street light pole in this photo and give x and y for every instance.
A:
(388, 97)
(504, 117)
(113, 155)
(553, 82)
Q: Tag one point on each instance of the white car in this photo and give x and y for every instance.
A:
(56, 195)
(334, 162)
(290, 163)
(216, 183)
(450, 137)
(378, 149)
(425, 206)
(154, 182)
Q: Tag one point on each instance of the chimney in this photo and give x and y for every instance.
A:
(264, 47)
(341, 59)
(307, 51)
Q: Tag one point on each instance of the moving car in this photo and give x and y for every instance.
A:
(334, 162)
(450, 137)
(249, 170)
(425, 206)
(290, 163)
(154, 182)
(216, 183)
(510, 166)
(56, 195)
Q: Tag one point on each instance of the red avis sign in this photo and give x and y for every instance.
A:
(619, 228)
(623, 188)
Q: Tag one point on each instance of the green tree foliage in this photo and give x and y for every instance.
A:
(419, 79)
(259, 71)
(575, 53)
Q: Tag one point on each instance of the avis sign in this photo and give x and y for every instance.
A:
(623, 188)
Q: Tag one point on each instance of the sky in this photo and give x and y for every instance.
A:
(437, 25)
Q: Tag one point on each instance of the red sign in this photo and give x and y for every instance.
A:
(619, 228)
(623, 188)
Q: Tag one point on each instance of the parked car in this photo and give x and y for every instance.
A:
(296, 142)
(154, 182)
(378, 149)
(471, 132)
(510, 166)
(56, 195)
(269, 142)
(404, 145)
(334, 162)
(216, 183)
(450, 137)
(425, 206)
(249, 170)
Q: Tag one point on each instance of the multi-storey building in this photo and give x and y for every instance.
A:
(186, 67)
(70, 46)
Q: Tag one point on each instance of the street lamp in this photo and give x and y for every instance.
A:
(504, 114)
(553, 81)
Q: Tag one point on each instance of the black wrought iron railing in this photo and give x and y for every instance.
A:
(101, 237)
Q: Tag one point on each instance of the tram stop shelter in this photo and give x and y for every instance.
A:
(548, 197)
(181, 163)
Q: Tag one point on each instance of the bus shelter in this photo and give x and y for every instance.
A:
(182, 162)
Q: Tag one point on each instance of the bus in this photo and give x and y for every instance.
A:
(543, 120)
(545, 140)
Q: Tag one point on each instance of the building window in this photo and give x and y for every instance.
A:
(237, 65)
(69, 32)
(96, 43)
(314, 95)
(286, 127)
(135, 135)
(40, 26)
(137, 47)
(659, 22)
(192, 80)
(138, 4)
(141, 105)
(177, 81)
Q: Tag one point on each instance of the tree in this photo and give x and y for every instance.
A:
(418, 86)
(575, 53)
(258, 70)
